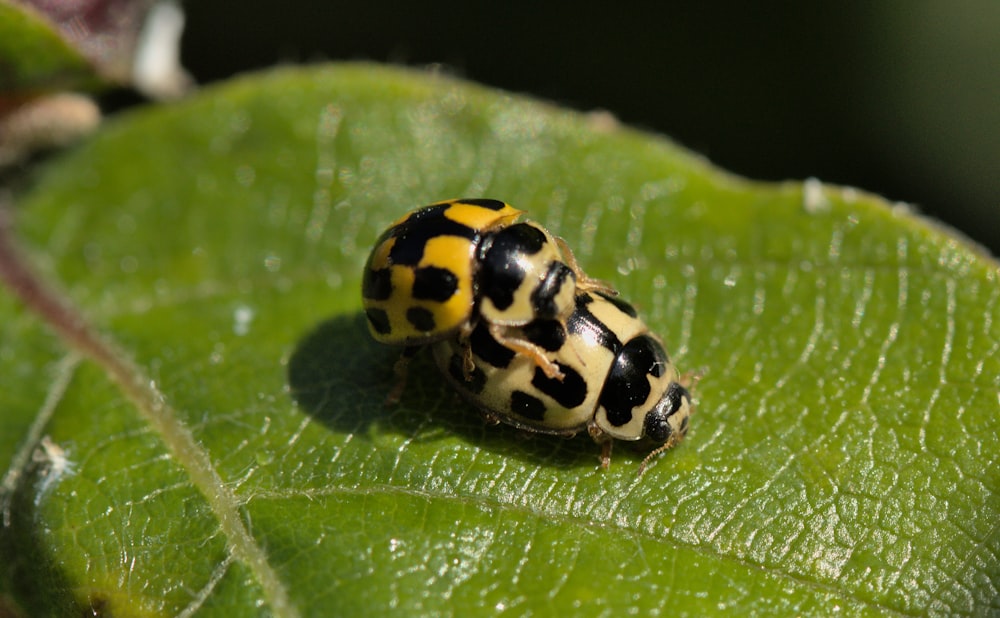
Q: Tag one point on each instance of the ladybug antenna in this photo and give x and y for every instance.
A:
(656, 451)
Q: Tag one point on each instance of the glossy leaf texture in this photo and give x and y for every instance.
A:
(843, 456)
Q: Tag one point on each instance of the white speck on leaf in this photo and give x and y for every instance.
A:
(813, 198)
(55, 464)
(242, 317)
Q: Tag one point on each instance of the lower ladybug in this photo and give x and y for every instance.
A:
(618, 382)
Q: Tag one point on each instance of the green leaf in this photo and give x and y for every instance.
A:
(217, 441)
(34, 56)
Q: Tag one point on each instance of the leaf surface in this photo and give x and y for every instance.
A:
(232, 453)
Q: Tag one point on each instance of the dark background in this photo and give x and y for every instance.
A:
(898, 97)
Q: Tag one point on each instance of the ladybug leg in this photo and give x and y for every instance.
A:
(468, 365)
(525, 347)
(402, 371)
(489, 418)
(606, 454)
(604, 440)
(690, 379)
(584, 283)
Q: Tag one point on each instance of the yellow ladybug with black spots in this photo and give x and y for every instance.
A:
(619, 383)
(443, 269)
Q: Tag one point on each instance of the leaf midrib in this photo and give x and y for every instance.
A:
(60, 314)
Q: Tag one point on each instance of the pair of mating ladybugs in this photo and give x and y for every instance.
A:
(519, 330)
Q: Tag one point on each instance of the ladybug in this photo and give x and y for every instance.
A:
(442, 270)
(618, 382)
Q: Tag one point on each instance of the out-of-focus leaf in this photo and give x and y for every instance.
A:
(35, 57)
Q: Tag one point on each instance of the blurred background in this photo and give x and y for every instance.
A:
(898, 97)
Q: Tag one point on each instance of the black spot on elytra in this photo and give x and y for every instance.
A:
(379, 320)
(627, 385)
(489, 349)
(421, 319)
(548, 334)
(569, 392)
(501, 264)
(622, 306)
(543, 297)
(413, 233)
(377, 284)
(433, 283)
(583, 322)
(527, 406)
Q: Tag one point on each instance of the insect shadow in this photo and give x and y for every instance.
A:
(340, 376)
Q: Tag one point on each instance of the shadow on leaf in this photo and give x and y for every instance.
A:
(340, 376)
(29, 571)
